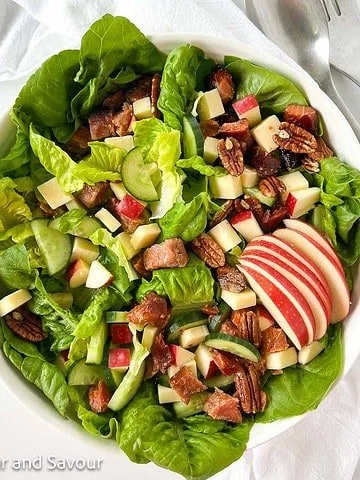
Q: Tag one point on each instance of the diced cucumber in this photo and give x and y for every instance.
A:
(215, 321)
(193, 140)
(136, 177)
(183, 321)
(83, 374)
(55, 247)
(95, 351)
(196, 405)
(116, 317)
(86, 227)
(113, 378)
(256, 193)
(220, 381)
(237, 346)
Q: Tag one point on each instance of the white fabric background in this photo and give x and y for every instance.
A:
(326, 446)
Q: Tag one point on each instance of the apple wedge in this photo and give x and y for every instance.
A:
(265, 319)
(326, 263)
(77, 273)
(300, 262)
(301, 201)
(293, 291)
(246, 224)
(248, 107)
(277, 303)
(205, 361)
(181, 355)
(303, 227)
(98, 276)
(299, 281)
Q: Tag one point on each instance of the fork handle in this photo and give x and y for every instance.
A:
(329, 88)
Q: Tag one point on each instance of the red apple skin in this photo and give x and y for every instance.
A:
(290, 288)
(262, 312)
(241, 216)
(131, 208)
(121, 334)
(173, 351)
(281, 301)
(119, 357)
(72, 271)
(291, 203)
(245, 104)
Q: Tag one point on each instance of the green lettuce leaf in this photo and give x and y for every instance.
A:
(13, 208)
(185, 68)
(104, 425)
(20, 153)
(197, 163)
(121, 282)
(17, 233)
(301, 388)
(324, 221)
(273, 91)
(145, 133)
(70, 220)
(178, 445)
(188, 288)
(15, 270)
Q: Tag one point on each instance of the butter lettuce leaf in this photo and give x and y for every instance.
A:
(146, 131)
(15, 270)
(198, 164)
(13, 208)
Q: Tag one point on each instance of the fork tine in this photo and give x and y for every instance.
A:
(325, 7)
(348, 8)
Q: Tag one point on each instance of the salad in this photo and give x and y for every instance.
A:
(176, 245)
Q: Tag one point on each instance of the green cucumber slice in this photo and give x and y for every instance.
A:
(136, 177)
(220, 381)
(215, 321)
(256, 193)
(113, 378)
(237, 346)
(96, 346)
(82, 374)
(86, 227)
(196, 405)
(116, 317)
(183, 321)
(55, 247)
(193, 139)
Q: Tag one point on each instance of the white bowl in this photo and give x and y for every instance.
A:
(346, 146)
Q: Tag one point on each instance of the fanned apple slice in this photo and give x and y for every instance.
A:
(300, 282)
(312, 232)
(277, 303)
(334, 276)
(292, 291)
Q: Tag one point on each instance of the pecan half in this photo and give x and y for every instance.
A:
(226, 210)
(223, 81)
(311, 165)
(247, 322)
(231, 156)
(231, 279)
(294, 138)
(322, 150)
(247, 383)
(264, 163)
(271, 186)
(26, 325)
(155, 93)
(208, 250)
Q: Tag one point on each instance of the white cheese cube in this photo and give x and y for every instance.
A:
(126, 142)
(294, 181)
(210, 105)
(13, 301)
(118, 190)
(167, 395)
(211, 149)
(108, 219)
(227, 187)
(249, 177)
(174, 369)
(224, 234)
(53, 194)
(191, 337)
(149, 334)
(283, 359)
(142, 108)
(129, 250)
(85, 250)
(74, 205)
(145, 235)
(263, 133)
(237, 301)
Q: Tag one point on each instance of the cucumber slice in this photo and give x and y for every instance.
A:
(83, 374)
(96, 346)
(220, 381)
(237, 346)
(215, 321)
(183, 321)
(136, 177)
(196, 405)
(193, 139)
(86, 227)
(113, 378)
(256, 193)
(55, 247)
(116, 317)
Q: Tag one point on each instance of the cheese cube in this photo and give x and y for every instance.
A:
(126, 142)
(167, 395)
(263, 133)
(110, 222)
(142, 108)
(118, 190)
(210, 105)
(74, 205)
(53, 194)
(211, 149)
(13, 301)
(280, 360)
(237, 301)
(227, 187)
(224, 234)
(145, 235)
(249, 177)
(191, 337)
(129, 250)
(85, 250)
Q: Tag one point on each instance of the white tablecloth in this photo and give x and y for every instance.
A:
(326, 446)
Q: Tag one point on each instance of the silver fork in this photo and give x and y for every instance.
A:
(343, 18)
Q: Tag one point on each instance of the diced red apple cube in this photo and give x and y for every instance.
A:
(120, 333)
(119, 359)
(301, 201)
(98, 276)
(265, 319)
(77, 273)
(131, 208)
(180, 355)
(205, 361)
(248, 107)
(247, 225)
